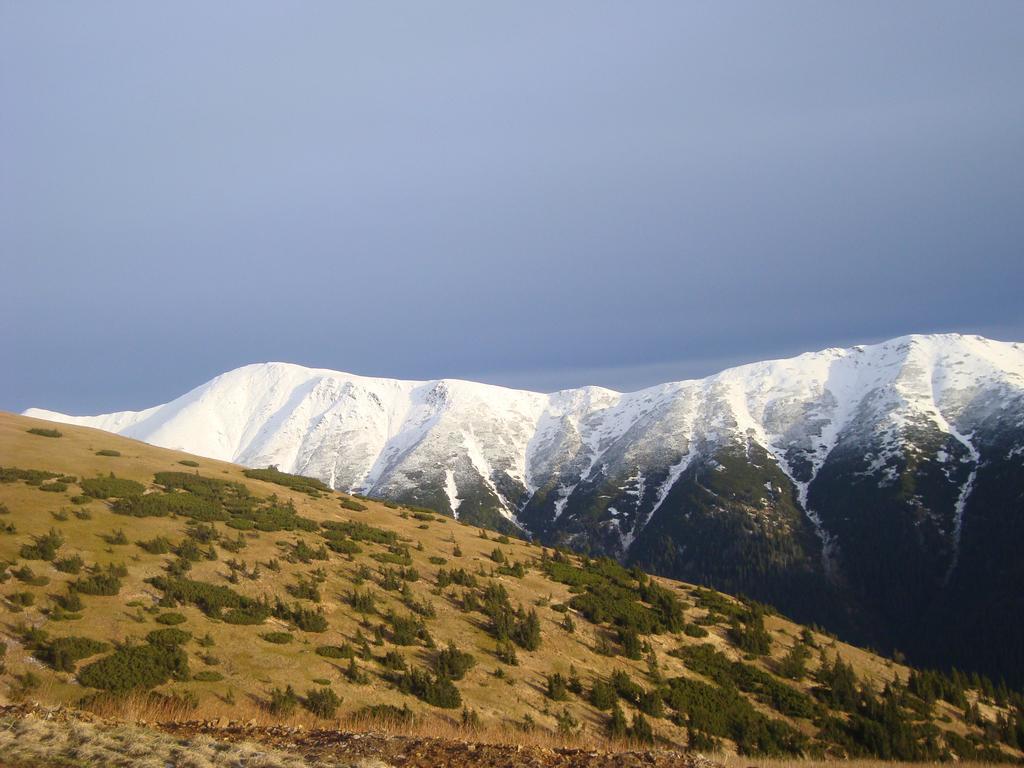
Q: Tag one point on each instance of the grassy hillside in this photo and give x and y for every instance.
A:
(254, 595)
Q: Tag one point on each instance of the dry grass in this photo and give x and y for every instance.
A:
(142, 709)
(34, 741)
(741, 761)
(252, 668)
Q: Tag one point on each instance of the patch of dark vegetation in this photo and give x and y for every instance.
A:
(353, 505)
(750, 636)
(278, 638)
(188, 463)
(133, 667)
(168, 636)
(111, 487)
(436, 691)
(785, 699)
(309, 485)
(72, 564)
(518, 625)
(214, 600)
(336, 651)
(44, 432)
(607, 593)
(27, 476)
(63, 653)
(357, 531)
(452, 663)
(306, 619)
(322, 702)
(724, 712)
(26, 575)
(108, 452)
(43, 547)
(159, 545)
(208, 500)
(102, 581)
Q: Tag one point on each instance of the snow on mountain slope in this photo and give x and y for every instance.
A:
(462, 446)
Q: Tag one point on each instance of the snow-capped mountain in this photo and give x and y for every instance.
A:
(886, 473)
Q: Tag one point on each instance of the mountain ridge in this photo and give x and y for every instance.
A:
(861, 488)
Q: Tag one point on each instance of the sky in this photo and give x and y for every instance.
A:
(534, 194)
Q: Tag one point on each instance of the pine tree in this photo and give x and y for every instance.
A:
(617, 728)
(641, 730)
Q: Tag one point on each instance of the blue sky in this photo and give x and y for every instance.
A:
(534, 194)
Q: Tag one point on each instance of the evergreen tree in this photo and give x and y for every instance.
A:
(617, 728)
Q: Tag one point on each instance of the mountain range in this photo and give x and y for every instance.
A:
(876, 490)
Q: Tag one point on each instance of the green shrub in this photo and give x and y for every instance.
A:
(101, 582)
(43, 547)
(27, 576)
(111, 487)
(306, 619)
(63, 653)
(171, 618)
(168, 636)
(396, 555)
(81, 499)
(453, 663)
(159, 545)
(43, 432)
(723, 711)
(603, 695)
(611, 594)
(336, 651)
(309, 485)
(69, 602)
(394, 661)
(557, 689)
(405, 630)
(305, 590)
(189, 463)
(751, 636)
(136, 667)
(625, 687)
(362, 601)
(641, 731)
(108, 452)
(28, 476)
(166, 504)
(437, 691)
(72, 564)
(694, 630)
(207, 676)
(55, 487)
(214, 600)
(116, 538)
(322, 702)
(283, 702)
(278, 638)
(353, 505)
(358, 531)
